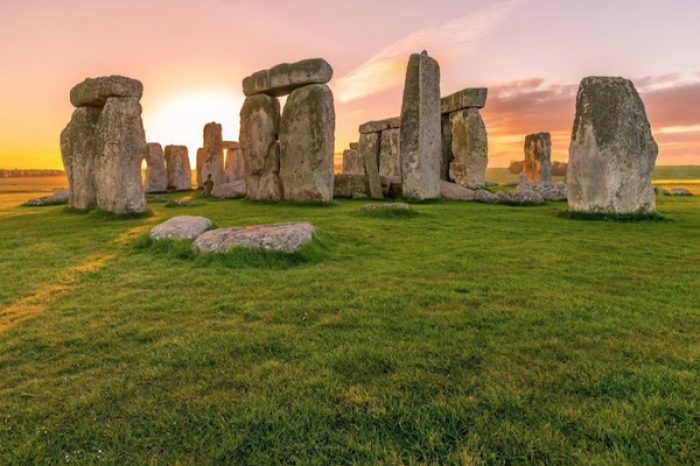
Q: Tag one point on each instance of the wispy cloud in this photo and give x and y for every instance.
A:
(454, 39)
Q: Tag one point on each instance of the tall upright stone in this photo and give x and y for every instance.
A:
(352, 164)
(235, 165)
(612, 152)
(179, 173)
(538, 157)
(213, 154)
(369, 153)
(200, 164)
(420, 129)
(389, 152)
(120, 145)
(259, 140)
(156, 173)
(78, 153)
(307, 140)
(470, 148)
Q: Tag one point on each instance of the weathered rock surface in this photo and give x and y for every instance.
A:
(352, 163)
(548, 190)
(467, 98)
(233, 190)
(395, 206)
(198, 168)
(183, 203)
(60, 197)
(156, 172)
(287, 237)
(512, 183)
(420, 129)
(389, 156)
(307, 140)
(348, 186)
(260, 127)
(446, 155)
(235, 165)
(524, 197)
(662, 191)
(179, 173)
(455, 192)
(380, 125)
(283, 79)
(538, 157)
(228, 145)
(612, 152)
(78, 153)
(354, 145)
(681, 192)
(490, 183)
(482, 195)
(95, 92)
(369, 152)
(183, 227)
(469, 148)
(120, 145)
(213, 155)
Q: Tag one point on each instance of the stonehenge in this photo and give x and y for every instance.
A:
(612, 152)
(177, 161)
(212, 155)
(386, 154)
(538, 157)
(290, 155)
(156, 172)
(103, 146)
(352, 163)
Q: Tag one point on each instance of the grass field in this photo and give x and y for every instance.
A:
(467, 335)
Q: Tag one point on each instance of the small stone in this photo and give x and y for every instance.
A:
(485, 196)
(156, 173)
(662, 191)
(354, 145)
(95, 92)
(182, 203)
(232, 190)
(286, 237)
(380, 125)
(681, 192)
(523, 197)
(395, 206)
(285, 78)
(177, 161)
(61, 197)
(184, 227)
(467, 98)
(359, 196)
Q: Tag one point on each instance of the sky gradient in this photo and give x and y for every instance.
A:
(192, 57)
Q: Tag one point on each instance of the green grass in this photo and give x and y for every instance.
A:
(469, 334)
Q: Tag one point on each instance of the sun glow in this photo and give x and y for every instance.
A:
(180, 119)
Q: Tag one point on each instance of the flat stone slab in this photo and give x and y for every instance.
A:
(549, 191)
(95, 92)
(394, 206)
(61, 197)
(466, 98)
(232, 190)
(521, 197)
(286, 237)
(182, 203)
(282, 79)
(184, 227)
(380, 125)
(681, 192)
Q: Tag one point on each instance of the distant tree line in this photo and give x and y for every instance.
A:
(558, 168)
(30, 173)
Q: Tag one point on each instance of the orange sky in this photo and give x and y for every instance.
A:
(192, 56)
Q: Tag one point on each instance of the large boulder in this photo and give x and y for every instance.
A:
(78, 153)
(523, 197)
(349, 186)
(120, 145)
(549, 191)
(213, 155)
(420, 129)
(538, 157)
(183, 227)
(179, 173)
(285, 78)
(612, 153)
(95, 92)
(260, 127)
(466, 98)
(469, 148)
(60, 197)
(156, 172)
(233, 190)
(455, 192)
(370, 144)
(307, 143)
(286, 237)
(389, 147)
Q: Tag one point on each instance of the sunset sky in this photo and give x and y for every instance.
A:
(193, 55)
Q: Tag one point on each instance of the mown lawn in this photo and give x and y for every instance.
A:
(466, 335)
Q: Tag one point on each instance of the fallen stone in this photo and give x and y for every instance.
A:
(389, 148)
(522, 197)
(232, 190)
(156, 172)
(469, 148)
(260, 127)
(612, 152)
(395, 206)
(380, 125)
(182, 203)
(485, 196)
(455, 192)
(285, 78)
(681, 192)
(95, 92)
(369, 152)
(61, 197)
(183, 227)
(549, 191)
(177, 161)
(420, 129)
(78, 153)
(538, 157)
(286, 237)
(467, 98)
(662, 191)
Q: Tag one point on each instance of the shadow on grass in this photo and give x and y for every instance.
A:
(46, 204)
(289, 203)
(655, 217)
(102, 215)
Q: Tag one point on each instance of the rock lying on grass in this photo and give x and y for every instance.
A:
(549, 191)
(523, 197)
(286, 237)
(395, 206)
(681, 192)
(184, 227)
(182, 203)
(662, 191)
(455, 192)
(232, 190)
(490, 183)
(61, 197)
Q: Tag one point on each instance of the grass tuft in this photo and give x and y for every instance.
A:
(110, 216)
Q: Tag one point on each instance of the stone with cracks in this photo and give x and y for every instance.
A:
(352, 163)
(349, 185)
(420, 129)
(446, 155)
(455, 192)
(287, 77)
(549, 191)
(200, 162)
(61, 197)
(469, 148)
(380, 125)
(662, 191)
(389, 147)
(483, 195)
(286, 237)
(369, 153)
(235, 165)
(612, 153)
(307, 143)
(233, 190)
(183, 227)
(395, 206)
(120, 146)
(179, 173)
(523, 197)
(156, 172)
(467, 98)
(354, 145)
(213, 155)
(260, 126)
(95, 92)
(78, 153)
(538, 157)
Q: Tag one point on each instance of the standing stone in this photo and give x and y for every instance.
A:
(369, 153)
(156, 173)
(200, 163)
(179, 172)
(389, 161)
(470, 148)
(352, 163)
(213, 155)
(120, 145)
(612, 152)
(307, 140)
(446, 155)
(538, 157)
(420, 129)
(78, 153)
(235, 165)
(260, 126)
